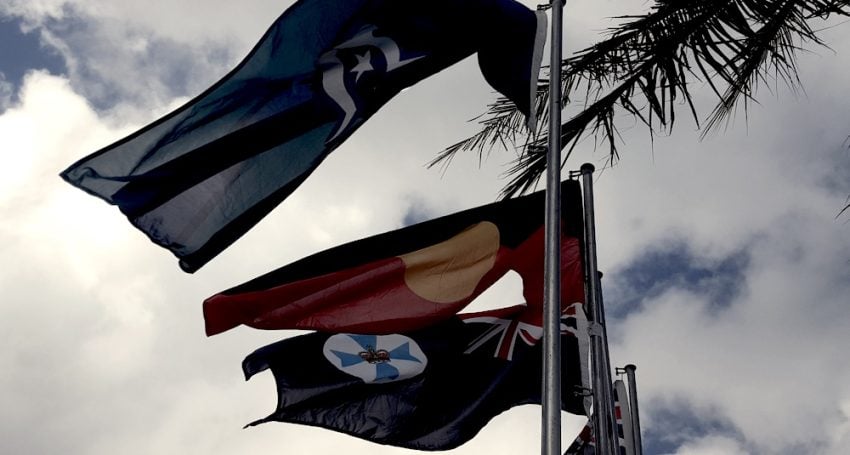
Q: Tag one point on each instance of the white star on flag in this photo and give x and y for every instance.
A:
(364, 63)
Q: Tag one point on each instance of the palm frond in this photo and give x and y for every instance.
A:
(645, 67)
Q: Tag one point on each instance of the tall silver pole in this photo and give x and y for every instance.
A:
(602, 395)
(551, 400)
(633, 405)
(604, 370)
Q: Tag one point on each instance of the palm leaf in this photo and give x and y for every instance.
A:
(645, 68)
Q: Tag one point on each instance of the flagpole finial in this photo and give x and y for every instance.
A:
(637, 442)
(587, 168)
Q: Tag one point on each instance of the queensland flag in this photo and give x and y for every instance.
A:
(197, 179)
(413, 277)
(431, 389)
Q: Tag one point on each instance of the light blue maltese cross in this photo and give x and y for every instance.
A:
(376, 358)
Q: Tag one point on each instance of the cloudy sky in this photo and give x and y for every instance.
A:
(727, 270)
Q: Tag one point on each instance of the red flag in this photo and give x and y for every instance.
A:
(412, 277)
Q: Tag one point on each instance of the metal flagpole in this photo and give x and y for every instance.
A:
(602, 396)
(633, 405)
(551, 400)
(605, 360)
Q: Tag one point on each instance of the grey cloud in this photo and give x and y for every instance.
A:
(106, 349)
(670, 264)
(675, 422)
(6, 93)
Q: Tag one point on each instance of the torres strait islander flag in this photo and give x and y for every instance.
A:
(413, 277)
(429, 389)
(197, 179)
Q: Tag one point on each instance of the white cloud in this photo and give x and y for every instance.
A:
(106, 351)
(134, 57)
(772, 363)
(180, 21)
(28, 152)
(712, 445)
(840, 434)
(35, 10)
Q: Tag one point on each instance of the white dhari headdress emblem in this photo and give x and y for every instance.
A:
(335, 72)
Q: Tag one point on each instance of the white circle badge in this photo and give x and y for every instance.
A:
(375, 358)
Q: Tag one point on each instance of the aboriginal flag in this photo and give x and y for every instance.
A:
(413, 277)
(431, 389)
(197, 179)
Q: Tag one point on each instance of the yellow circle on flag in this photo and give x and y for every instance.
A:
(449, 271)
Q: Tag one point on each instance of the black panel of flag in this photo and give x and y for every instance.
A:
(431, 389)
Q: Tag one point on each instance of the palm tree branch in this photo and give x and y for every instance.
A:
(644, 67)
